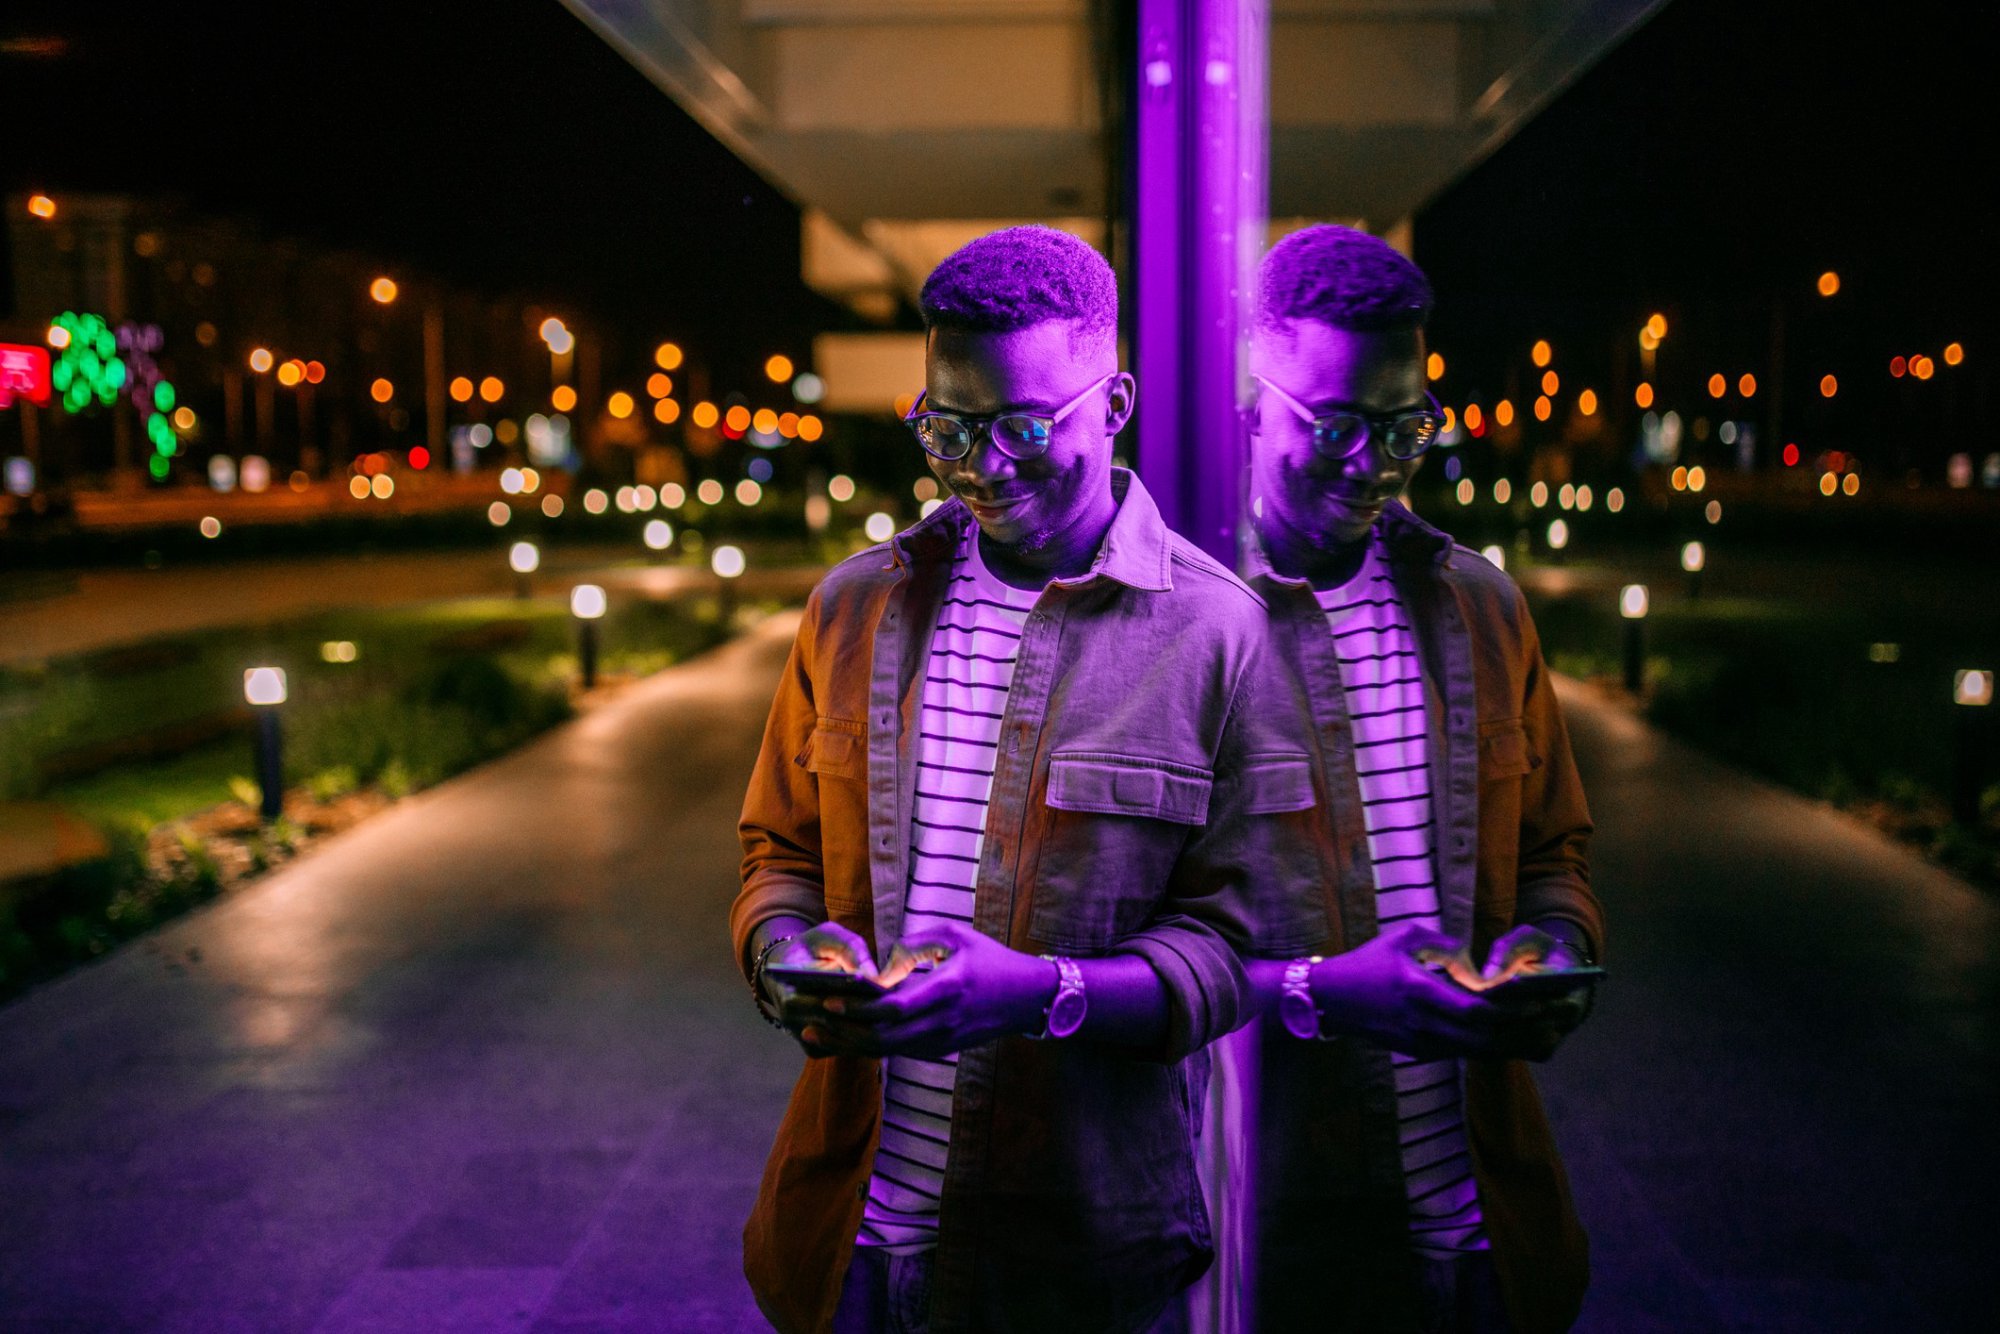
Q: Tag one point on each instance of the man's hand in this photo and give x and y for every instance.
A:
(828, 945)
(1383, 993)
(978, 990)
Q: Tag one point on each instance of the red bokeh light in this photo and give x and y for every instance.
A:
(420, 458)
(1791, 456)
(1897, 366)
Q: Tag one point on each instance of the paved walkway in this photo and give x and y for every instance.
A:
(484, 1064)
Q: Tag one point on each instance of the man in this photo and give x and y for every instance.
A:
(1010, 740)
(1409, 1181)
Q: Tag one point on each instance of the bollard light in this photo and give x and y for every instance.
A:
(879, 527)
(1495, 556)
(524, 558)
(728, 563)
(658, 534)
(1558, 535)
(1972, 691)
(586, 603)
(1694, 559)
(1632, 606)
(498, 513)
(264, 688)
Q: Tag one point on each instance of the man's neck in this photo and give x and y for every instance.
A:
(1293, 557)
(1068, 554)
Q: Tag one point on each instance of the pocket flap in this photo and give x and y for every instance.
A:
(1127, 785)
(1504, 754)
(837, 754)
(1273, 784)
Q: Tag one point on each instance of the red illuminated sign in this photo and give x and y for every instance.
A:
(24, 373)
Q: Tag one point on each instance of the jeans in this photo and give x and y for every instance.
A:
(885, 1294)
(1461, 1295)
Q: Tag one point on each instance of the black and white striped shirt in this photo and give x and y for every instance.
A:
(966, 681)
(1383, 681)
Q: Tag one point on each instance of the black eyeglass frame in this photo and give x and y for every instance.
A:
(1377, 426)
(975, 424)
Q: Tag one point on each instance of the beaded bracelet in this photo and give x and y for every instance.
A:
(757, 982)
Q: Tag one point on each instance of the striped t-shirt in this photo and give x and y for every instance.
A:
(1383, 681)
(965, 693)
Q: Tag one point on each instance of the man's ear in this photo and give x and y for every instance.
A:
(1120, 397)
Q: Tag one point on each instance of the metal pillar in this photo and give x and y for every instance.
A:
(1199, 206)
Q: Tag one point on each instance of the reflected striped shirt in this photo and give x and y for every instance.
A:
(970, 669)
(1383, 681)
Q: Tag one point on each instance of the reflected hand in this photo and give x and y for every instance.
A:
(1384, 993)
(1532, 1030)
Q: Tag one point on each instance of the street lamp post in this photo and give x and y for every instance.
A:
(1632, 606)
(586, 603)
(264, 689)
(1972, 692)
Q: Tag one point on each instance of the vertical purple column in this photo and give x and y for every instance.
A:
(1199, 203)
(1201, 133)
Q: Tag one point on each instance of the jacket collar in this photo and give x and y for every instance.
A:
(1406, 539)
(1137, 550)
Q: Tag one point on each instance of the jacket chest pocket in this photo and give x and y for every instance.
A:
(1113, 826)
(836, 755)
(836, 749)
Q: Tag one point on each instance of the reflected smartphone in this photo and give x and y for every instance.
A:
(1545, 984)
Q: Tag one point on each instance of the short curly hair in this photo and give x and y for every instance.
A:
(1020, 277)
(1343, 278)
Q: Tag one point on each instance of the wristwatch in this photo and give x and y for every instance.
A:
(1296, 1007)
(1065, 1012)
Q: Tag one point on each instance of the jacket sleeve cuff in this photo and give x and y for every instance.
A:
(1204, 984)
(771, 897)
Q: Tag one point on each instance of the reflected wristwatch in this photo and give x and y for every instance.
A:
(1296, 1008)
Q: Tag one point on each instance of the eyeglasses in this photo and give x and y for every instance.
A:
(1018, 435)
(1341, 434)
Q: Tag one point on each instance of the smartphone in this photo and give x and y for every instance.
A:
(1546, 984)
(821, 982)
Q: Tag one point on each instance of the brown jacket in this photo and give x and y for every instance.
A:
(1120, 820)
(1511, 848)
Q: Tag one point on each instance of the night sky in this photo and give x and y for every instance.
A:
(519, 155)
(1716, 162)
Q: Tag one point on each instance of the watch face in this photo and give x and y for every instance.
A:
(1066, 1015)
(1299, 1015)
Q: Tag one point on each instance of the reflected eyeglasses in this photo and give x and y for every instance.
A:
(1019, 435)
(1342, 433)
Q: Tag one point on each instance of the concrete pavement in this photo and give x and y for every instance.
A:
(484, 1064)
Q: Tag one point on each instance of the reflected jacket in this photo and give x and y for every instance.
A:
(1332, 1245)
(1119, 822)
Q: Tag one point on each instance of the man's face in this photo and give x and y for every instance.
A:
(1027, 504)
(1327, 503)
